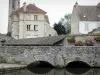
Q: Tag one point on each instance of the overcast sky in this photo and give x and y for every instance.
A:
(55, 9)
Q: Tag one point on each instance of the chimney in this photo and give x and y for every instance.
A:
(24, 6)
(34, 4)
(76, 4)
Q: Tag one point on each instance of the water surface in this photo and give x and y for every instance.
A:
(48, 71)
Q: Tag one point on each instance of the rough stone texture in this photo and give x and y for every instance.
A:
(56, 55)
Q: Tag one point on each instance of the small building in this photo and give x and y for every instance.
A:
(30, 21)
(85, 18)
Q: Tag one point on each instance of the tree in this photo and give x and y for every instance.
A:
(59, 28)
(66, 22)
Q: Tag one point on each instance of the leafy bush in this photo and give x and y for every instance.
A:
(78, 43)
(97, 38)
(89, 43)
(70, 40)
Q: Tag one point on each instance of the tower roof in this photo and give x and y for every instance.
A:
(30, 8)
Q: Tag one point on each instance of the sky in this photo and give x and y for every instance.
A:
(56, 9)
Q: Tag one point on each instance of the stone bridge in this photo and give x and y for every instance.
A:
(55, 55)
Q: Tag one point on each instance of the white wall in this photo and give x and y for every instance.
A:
(24, 19)
(92, 25)
(28, 19)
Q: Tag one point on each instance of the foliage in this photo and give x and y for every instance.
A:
(59, 28)
(66, 21)
(9, 34)
(78, 43)
(97, 38)
(70, 40)
(89, 43)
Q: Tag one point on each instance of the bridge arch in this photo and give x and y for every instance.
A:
(40, 64)
(78, 64)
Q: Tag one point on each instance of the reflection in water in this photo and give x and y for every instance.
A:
(78, 70)
(40, 67)
(40, 70)
(57, 72)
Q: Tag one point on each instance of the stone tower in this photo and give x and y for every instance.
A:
(13, 5)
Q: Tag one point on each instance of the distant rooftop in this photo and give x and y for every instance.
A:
(87, 12)
(36, 41)
(30, 8)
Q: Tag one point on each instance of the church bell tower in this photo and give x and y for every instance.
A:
(13, 5)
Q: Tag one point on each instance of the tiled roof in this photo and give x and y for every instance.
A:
(36, 41)
(30, 8)
(88, 13)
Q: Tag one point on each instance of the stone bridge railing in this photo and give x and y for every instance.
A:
(56, 55)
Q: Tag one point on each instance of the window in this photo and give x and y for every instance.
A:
(86, 26)
(35, 17)
(36, 27)
(98, 25)
(28, 27)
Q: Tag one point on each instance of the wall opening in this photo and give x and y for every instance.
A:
(78, 64)
(40, 67)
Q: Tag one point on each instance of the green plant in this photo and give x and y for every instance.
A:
(89, 43)
(70, 39)
(78, 43)
(97, 38)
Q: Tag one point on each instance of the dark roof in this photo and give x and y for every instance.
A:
(30, 8)
(36, 41)
(88, 13)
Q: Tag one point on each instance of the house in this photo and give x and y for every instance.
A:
(29, 21)
(85, 18)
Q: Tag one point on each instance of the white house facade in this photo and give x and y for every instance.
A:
(30, 21)
(87, 26)
(85, 18)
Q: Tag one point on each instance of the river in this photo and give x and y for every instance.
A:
(48, 71)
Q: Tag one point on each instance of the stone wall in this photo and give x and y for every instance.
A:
(56, 55)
